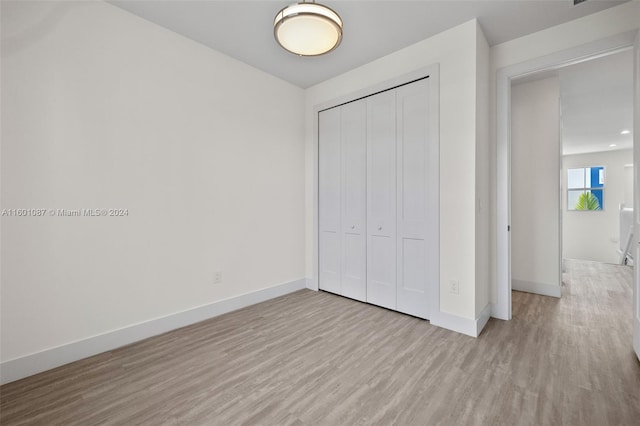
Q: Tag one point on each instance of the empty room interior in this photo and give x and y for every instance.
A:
(319, 213)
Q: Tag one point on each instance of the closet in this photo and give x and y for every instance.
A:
(378, 199)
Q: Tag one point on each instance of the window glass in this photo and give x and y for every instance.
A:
(572, 198)
(575, 178)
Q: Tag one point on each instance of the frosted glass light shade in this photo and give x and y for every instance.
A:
(308, 29)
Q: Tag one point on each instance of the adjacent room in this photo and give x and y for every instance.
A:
(333, 212)
(572, 170)
(597, 158)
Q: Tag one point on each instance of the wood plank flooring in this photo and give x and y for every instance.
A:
(317, 359)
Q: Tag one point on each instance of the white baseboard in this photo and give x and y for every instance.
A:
(28, 365)
(454, 323)
(636, 340)
(536, 288)
(483, 318)
(468, 326)
(311, 284)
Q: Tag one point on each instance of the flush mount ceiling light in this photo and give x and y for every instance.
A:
(625, 132)
(308, 29)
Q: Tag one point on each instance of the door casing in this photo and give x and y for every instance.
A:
(502, 307)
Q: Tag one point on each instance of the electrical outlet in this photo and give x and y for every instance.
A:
(217, 277)
(454, 287)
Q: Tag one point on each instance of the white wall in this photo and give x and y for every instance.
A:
(455, 51)
(535, 198)
(102, 109)
(595, 235)
(597, 26)
(627, 200)
(483, 241)
(610, 22)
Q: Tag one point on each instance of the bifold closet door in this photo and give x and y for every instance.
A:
(381, 199)
(342, 200)
(417, 200)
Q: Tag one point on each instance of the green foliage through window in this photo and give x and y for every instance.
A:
(585, 188)
(587, 201)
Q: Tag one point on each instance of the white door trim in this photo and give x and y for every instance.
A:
(636, 190)
(502, 307)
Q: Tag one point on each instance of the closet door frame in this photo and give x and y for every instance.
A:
(433, 73)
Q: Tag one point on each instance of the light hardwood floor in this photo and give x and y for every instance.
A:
(316, 358)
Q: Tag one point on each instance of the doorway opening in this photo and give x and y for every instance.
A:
(505, 76)
(572, 182)
(571, 171)
(592, 50)
(597, 159)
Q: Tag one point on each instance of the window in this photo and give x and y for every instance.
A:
(585, 188)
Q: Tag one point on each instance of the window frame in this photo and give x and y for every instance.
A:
(584, 187)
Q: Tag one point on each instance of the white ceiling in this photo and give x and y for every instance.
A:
(372, 29)
(597, 104)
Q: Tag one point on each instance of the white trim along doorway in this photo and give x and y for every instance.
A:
(585, 52)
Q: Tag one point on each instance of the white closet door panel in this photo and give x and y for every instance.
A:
(354, 257)
(381, 162)
(354, 175)
(329, 170)
(413, 266)
(415, 202)
(329, 262)
(381, 286)
(381, 199)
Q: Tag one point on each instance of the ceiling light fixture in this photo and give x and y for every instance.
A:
(308, 29)
(612, 145)
(625, 132)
